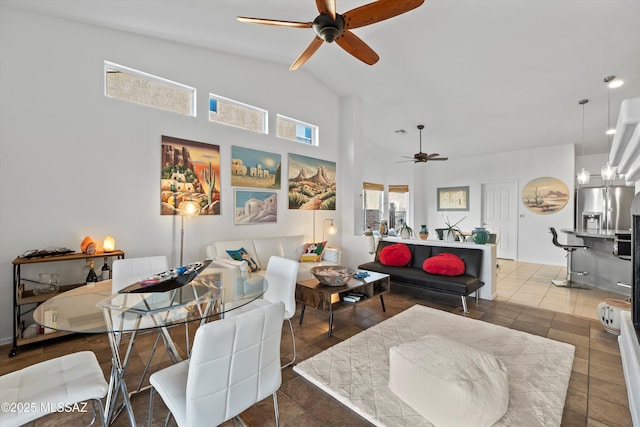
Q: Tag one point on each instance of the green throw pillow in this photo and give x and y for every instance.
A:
(242, 255)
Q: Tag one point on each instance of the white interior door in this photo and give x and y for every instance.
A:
(500, 216)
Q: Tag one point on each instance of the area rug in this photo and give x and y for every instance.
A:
(356, 371)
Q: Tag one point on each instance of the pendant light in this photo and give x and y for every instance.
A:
(608, 172)
(583, 176)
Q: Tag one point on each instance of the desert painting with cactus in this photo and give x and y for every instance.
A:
(190, 172)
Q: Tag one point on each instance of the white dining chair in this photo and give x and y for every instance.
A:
(235, 363)
(281, 276)
(128, 271)
(51, 386)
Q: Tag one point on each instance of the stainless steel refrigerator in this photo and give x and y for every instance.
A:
(602, 209)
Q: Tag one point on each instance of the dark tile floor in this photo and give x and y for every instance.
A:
(596, 396)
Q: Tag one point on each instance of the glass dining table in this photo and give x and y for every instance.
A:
(93, 308)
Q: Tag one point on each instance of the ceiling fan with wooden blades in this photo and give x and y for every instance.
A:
(331, 26)
(421, 157)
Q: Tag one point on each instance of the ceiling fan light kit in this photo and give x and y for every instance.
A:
(330, 26)
(327, 28)
(421, 157)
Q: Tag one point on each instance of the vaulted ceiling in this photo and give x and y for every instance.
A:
(483, 76)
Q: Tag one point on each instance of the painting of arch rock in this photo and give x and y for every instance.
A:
(312, 183)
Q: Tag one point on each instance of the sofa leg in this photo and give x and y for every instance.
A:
(464, 304)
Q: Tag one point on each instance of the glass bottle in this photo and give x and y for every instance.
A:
(92, 277)
(106, 271)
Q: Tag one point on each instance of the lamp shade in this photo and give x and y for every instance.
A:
(583, 177)
(332, 229)
(109, 244)
(189, 208)
(608, 172)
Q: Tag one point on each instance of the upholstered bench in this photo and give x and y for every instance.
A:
(449, 383)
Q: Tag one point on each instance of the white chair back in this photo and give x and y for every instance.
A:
(130, 270)
(281, 279)
(235, 362)
(54, 383)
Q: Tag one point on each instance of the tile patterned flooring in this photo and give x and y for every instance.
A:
(596, 396)
(530, 285)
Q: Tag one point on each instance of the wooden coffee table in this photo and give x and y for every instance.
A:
(331, 298)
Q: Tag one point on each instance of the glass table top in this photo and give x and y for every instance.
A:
(85, 308)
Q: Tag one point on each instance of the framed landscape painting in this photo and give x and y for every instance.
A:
(255, 168)
(189, 170)
(255, 207)
(312, 183)
(545, 195)
(453, 198)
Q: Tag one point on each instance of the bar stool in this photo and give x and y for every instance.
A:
(567, 283)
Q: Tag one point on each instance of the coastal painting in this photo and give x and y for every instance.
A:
(255, 168)
(255, 207)
(545, 195)
(189, 171)
(312, 183)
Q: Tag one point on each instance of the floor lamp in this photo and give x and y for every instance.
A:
(187, 208)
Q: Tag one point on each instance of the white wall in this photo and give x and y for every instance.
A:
(75, 163)
(534, 243)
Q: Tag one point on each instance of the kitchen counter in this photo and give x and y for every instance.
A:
(605, 269)
(602, 234)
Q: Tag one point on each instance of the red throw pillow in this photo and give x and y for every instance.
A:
(397, 255)
(445, 264)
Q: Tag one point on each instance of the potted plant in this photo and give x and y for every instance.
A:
(450, 231)
(405, 231)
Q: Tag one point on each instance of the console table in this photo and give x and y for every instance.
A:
(23, 296)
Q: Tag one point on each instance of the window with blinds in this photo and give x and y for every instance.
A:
(398, 205)
(373, 200)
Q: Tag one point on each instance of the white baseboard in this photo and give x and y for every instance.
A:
(630, 353)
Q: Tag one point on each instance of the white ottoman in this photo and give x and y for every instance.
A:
(449, 383)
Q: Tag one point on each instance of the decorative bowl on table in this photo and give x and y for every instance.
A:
(332, 275)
